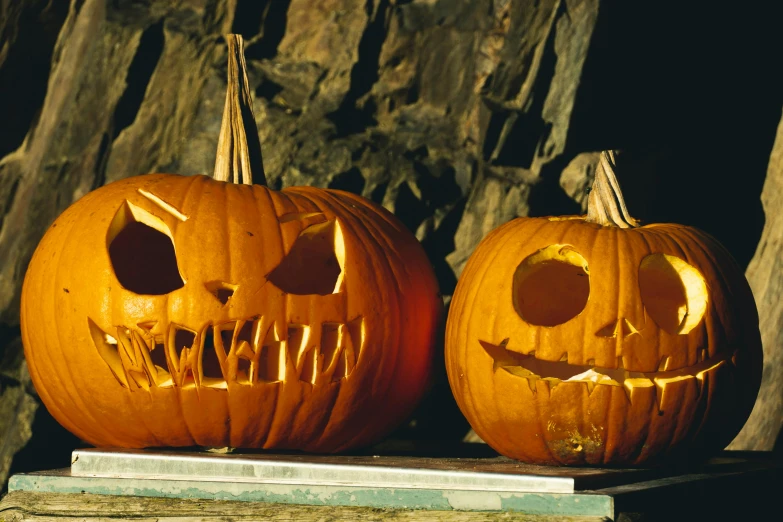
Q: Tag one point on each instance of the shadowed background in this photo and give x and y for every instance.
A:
(456, 115)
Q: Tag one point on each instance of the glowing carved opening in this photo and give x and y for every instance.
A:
(222, 291)
(237, 351)
(107, 349)
(551, 286)
(673, 292)
(532, 369)
(211, 370)
(315, 263)
(142, 252)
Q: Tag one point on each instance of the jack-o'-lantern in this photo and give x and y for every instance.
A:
(593, 340)
(166, 310)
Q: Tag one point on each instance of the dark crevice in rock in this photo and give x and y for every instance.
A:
(102, 160)
(349, 118)
(9, 199)
(24, 74)
(275, 18)
(547, 197)
(409, 209)
(440, 243)
(139, 74)
(268, 89)
(379, 192)
(351, 180)
(522, 132)
(249, 17)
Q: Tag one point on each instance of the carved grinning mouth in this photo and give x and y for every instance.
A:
(556, 372)
(247, 352)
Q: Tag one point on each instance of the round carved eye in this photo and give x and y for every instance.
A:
(551, 286)
(674, 293)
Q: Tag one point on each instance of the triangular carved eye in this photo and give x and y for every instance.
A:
(142, 252)
(315, 264)
(551, 286)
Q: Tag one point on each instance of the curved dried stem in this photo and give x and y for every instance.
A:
(605, 204)
(239, 147)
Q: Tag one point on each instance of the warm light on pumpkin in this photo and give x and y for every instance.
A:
(594, 340)
(165, 310)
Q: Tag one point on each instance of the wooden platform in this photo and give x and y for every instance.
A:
(198, 486)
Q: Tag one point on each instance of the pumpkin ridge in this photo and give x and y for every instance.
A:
(34, 363)
(84, 406)
(332, 203)
(499, 241)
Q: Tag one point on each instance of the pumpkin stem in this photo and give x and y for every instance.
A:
(239, 147)
(605, 204)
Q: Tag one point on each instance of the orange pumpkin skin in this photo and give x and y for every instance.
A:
(301, 367)
(686, 384)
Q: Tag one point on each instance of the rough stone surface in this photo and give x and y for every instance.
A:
(765, 274)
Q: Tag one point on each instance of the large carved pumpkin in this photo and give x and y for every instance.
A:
(574, 340)
(165, 310)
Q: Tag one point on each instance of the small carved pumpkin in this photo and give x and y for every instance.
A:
(592, 340)
(165, 310)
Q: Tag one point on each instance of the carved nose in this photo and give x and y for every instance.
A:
(621, 327)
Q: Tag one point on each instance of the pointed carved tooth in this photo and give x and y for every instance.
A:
(245, 350)
(243, 332)
(108, 351)
(311, 366)
(147, 325)
(331, 347)
(142, 348)
(258, 334)
(662, 384)
(620, 363)
(628, 328)
(700, 382)
(124, 344)
(629, 385)
(297, 339)
(268, 351)
(357, 332)
(220, 349)
(564, 357)
(211, 358)
(501, 356)
(347, 362)
(181, 348)
(520, 371)
(663, 364)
